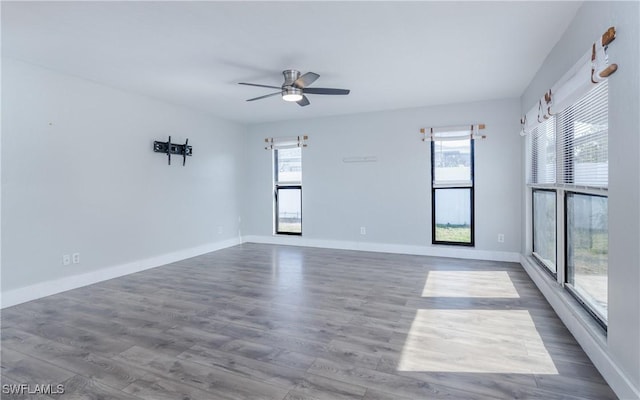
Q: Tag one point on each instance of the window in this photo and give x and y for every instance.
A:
(544, 228)
(542, 174)
(568, 174)
(568, 160)
(287, 191)
(452, 188)
(587, 250)
(585, 170)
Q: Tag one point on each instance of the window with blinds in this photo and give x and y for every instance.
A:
(583, 130)
(287, 191)
(452, 188)
(568, 159)
(568, 174)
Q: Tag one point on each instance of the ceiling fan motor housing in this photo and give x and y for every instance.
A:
(290, 76)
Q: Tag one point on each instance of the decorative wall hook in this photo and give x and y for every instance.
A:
(169, 148)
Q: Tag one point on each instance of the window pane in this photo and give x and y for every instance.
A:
(289, 165)
(588, 249)
(289, 204)
(452, 160)
(453, 215)
(544, 227)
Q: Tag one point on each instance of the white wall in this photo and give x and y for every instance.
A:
(390, 197)
(622, 344)
(79, 175)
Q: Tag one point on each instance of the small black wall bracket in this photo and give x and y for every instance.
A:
(169, 148)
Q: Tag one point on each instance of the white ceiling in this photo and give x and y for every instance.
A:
(390, 54)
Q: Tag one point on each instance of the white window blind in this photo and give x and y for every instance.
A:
(274, 143)
(583, 130)
(452, 132)
(542, 153)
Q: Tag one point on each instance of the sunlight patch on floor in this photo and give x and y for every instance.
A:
(494, 284)
(475, 341)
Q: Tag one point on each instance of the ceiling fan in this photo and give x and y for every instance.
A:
(295, 86)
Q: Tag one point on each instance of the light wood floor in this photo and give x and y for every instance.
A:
(276, 322)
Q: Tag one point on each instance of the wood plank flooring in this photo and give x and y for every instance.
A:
(277, 322)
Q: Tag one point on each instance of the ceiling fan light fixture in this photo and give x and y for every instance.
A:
(296, 87)
(292, 94)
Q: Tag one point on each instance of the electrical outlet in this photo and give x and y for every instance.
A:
(76, 258)
(363, 230)
(219, 230)
(500, 237)
(66, 259)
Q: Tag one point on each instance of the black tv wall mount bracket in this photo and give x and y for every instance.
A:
(169, 148)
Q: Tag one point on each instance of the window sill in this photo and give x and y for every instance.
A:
(546, 267)
(454, 244)
(586, 330)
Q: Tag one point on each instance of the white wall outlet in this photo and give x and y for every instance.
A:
(500, 237)
(219, 230)
(76, 258)
(66, 259)
(363, 230)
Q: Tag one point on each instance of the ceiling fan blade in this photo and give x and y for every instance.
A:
(257, 84)
(265, 96)
(303, 102)
(306, 80)
(326, 91)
